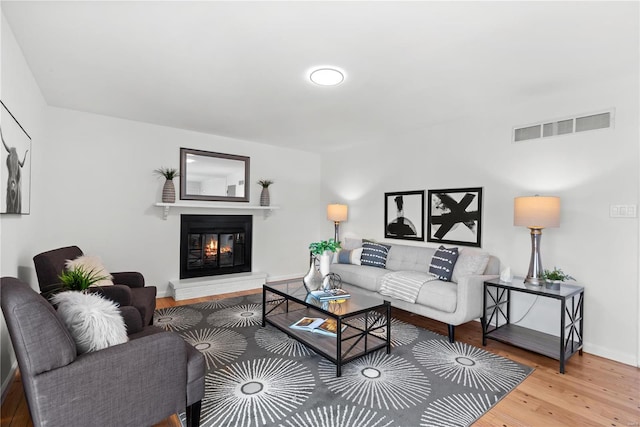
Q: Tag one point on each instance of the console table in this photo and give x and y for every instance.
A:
(496, 320)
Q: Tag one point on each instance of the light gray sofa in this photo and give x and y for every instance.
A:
(453, 303)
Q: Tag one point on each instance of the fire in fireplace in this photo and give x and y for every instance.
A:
(215, 244)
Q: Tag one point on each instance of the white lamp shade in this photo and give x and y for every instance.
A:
(536, 211)
(337, 212)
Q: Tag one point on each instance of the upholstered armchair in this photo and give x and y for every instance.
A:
(139, 383)
(129, 287)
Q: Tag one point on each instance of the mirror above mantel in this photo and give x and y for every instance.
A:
(205, 175)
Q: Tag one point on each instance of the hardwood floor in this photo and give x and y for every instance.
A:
(593, 392)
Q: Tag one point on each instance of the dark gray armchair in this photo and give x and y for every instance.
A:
(129, 287)
(138, 383)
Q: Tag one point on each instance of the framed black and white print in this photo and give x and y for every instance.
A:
(404, 215)
(15, 165)
(455, 216)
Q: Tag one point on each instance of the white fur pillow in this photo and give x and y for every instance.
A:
(94, 322)
(94, 264)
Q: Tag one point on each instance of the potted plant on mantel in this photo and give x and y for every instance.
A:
(265, 198)
(168, 190)
(324, 250)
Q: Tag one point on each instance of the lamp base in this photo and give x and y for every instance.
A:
(534, 275)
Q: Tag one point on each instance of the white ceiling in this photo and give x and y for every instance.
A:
(238, 69)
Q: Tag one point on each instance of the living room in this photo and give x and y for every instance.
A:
(92, 181)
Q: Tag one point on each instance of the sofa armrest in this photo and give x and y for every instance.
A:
(470, 290)
(140, 381)
(133, 279)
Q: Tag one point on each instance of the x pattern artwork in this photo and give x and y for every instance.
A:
(455, 216)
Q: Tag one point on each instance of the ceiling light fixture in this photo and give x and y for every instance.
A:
(326, 76)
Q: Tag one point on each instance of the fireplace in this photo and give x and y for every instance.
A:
(212, 245)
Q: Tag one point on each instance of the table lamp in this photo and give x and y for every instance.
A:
(337, 213)
(536, 213)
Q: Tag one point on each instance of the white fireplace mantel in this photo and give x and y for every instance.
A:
(214, 205)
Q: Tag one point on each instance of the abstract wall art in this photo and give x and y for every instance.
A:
(455, 216)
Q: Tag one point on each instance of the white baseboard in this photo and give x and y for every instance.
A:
(597, 350)
(7, 382)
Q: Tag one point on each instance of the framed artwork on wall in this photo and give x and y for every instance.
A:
(15, 165)
(404, 215)
(455, 216)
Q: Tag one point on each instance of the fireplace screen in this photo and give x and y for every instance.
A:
(215, 250)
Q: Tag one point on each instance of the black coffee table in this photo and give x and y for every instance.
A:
(367, 320)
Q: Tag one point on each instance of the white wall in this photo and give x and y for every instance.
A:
(589, 171)
(98, 190)
(20, 93)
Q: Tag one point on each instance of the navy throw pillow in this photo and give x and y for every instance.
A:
(442, 263)
(374, 254)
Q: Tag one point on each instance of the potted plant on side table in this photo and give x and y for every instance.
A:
(555, 277)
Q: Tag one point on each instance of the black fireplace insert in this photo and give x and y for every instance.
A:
(211, 245)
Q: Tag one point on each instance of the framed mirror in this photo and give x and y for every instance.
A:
(205, 175)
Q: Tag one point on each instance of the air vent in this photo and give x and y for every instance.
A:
(584, 122)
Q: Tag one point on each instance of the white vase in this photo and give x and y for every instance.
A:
(325, 262)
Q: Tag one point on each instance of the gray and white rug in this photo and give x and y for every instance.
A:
(260, 377)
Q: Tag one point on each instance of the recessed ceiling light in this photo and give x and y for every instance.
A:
(326, 76)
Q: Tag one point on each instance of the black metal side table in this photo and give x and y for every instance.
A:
(496, 320)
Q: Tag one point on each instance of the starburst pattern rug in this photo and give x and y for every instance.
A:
(259, 377)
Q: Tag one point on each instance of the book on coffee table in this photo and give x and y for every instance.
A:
(318, 325)
(330, 294)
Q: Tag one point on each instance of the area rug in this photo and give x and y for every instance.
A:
(260, 377)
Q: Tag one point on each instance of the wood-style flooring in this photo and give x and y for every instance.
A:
(593, 392)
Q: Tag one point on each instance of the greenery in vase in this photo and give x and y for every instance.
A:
(556, 274)
(168, 173)
(318, 248)
(79, 278)
(265, 183)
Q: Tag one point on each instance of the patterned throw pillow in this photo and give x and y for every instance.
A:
(350, 256)
(442, 263)
(374, 254)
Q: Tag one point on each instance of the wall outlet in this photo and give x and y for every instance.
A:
(623, 211)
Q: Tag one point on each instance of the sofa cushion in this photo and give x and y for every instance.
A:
(470, 262)
(443, 262)
(351, 243)
(360, 275)
(374, 254)
(409, 258)
(439, 295)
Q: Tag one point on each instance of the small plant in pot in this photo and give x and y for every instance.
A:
(556, 276)
(79, 278)
(168, 190)
(323, 250)
(265, 198)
